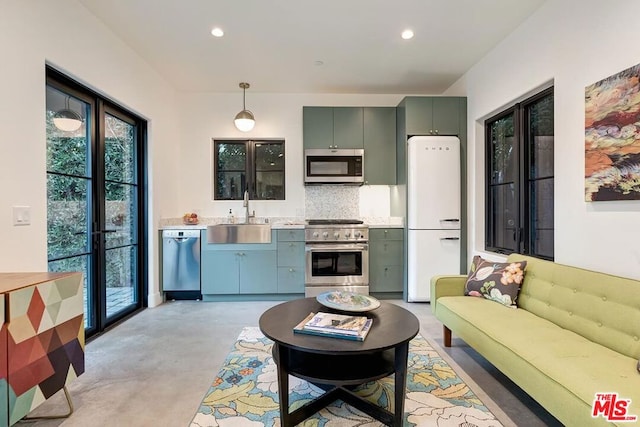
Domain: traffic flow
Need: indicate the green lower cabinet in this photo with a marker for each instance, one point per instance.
(236, 268)
(387, 252)
(291, 261)
(254, 269)
(290, 280)
(386, 260)
(220, 272)
(228, 272)
(385, 278)
(258, 273)
(290, 254)
(290, 235)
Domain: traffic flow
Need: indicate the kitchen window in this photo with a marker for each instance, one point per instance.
(256, 166)
(520, 178)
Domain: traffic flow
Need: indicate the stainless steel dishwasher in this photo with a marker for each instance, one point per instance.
(181, 264)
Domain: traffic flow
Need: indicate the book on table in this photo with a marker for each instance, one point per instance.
(335, 325)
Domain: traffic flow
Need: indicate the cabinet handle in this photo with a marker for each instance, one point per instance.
(291, 245)
(449, 238)
(291, 270)
(431, 131)
(436, 131)
(386, 231)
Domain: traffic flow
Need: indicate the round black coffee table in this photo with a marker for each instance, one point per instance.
(338, 365)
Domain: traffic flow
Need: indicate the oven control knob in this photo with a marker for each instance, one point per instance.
(315, 234)
(356, 234)
(325, 234)
(336, 235)
(347, 234)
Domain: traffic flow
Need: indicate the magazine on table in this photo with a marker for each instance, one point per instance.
(338, 323)
(335, 325)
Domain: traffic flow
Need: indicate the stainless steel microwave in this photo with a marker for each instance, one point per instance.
(334, 166)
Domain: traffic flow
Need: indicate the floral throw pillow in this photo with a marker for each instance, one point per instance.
(497, 281)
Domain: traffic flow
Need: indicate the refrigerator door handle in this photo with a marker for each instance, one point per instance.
(449, 238)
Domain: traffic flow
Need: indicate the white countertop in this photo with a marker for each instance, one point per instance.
(276, 223)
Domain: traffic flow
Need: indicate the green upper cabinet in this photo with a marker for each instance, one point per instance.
(348, 131)
(434, 115)
(332, 127)
(371, 128)
(317, 127)
(379, 145)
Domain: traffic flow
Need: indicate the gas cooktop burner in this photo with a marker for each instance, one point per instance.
(333, 221)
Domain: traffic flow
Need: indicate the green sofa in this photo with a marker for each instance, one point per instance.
(575, 333)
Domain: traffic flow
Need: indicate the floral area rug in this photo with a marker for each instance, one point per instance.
(245, 392)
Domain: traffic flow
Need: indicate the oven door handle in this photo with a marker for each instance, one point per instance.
(338, 247)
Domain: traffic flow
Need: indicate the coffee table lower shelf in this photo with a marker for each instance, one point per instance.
(338, 375)
(343, 370)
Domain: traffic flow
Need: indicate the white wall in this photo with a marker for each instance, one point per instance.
(207, 116)
(64, 34)
(573, 43)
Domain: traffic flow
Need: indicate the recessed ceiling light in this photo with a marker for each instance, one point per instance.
(407, 34)
(217, 32)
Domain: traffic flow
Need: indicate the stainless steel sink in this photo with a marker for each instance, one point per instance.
(239, 233)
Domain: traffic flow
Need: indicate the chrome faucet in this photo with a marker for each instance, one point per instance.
(245, 204)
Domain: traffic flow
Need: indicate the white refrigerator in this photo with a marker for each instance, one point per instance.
(433, 211)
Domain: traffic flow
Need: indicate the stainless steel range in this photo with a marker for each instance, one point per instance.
(337, 256)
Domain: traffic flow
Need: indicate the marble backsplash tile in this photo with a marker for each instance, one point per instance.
(332, 201)
(347, 202)
(370, 203)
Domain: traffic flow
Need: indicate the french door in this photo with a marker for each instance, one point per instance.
(95, 199)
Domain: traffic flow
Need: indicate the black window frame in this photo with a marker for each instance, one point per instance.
(250, 168)
(525, 229)
(100, 320)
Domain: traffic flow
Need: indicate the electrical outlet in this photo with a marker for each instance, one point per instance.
(21, 215)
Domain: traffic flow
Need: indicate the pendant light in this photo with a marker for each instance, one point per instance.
(66, 119)
(244, 119)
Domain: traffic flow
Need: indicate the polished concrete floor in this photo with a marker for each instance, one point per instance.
(154, 368)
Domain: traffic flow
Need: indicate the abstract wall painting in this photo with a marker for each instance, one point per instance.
(612, 137)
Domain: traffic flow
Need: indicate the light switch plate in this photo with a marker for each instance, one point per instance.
(21, 215)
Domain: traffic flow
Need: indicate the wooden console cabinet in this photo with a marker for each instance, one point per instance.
(41, 339)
